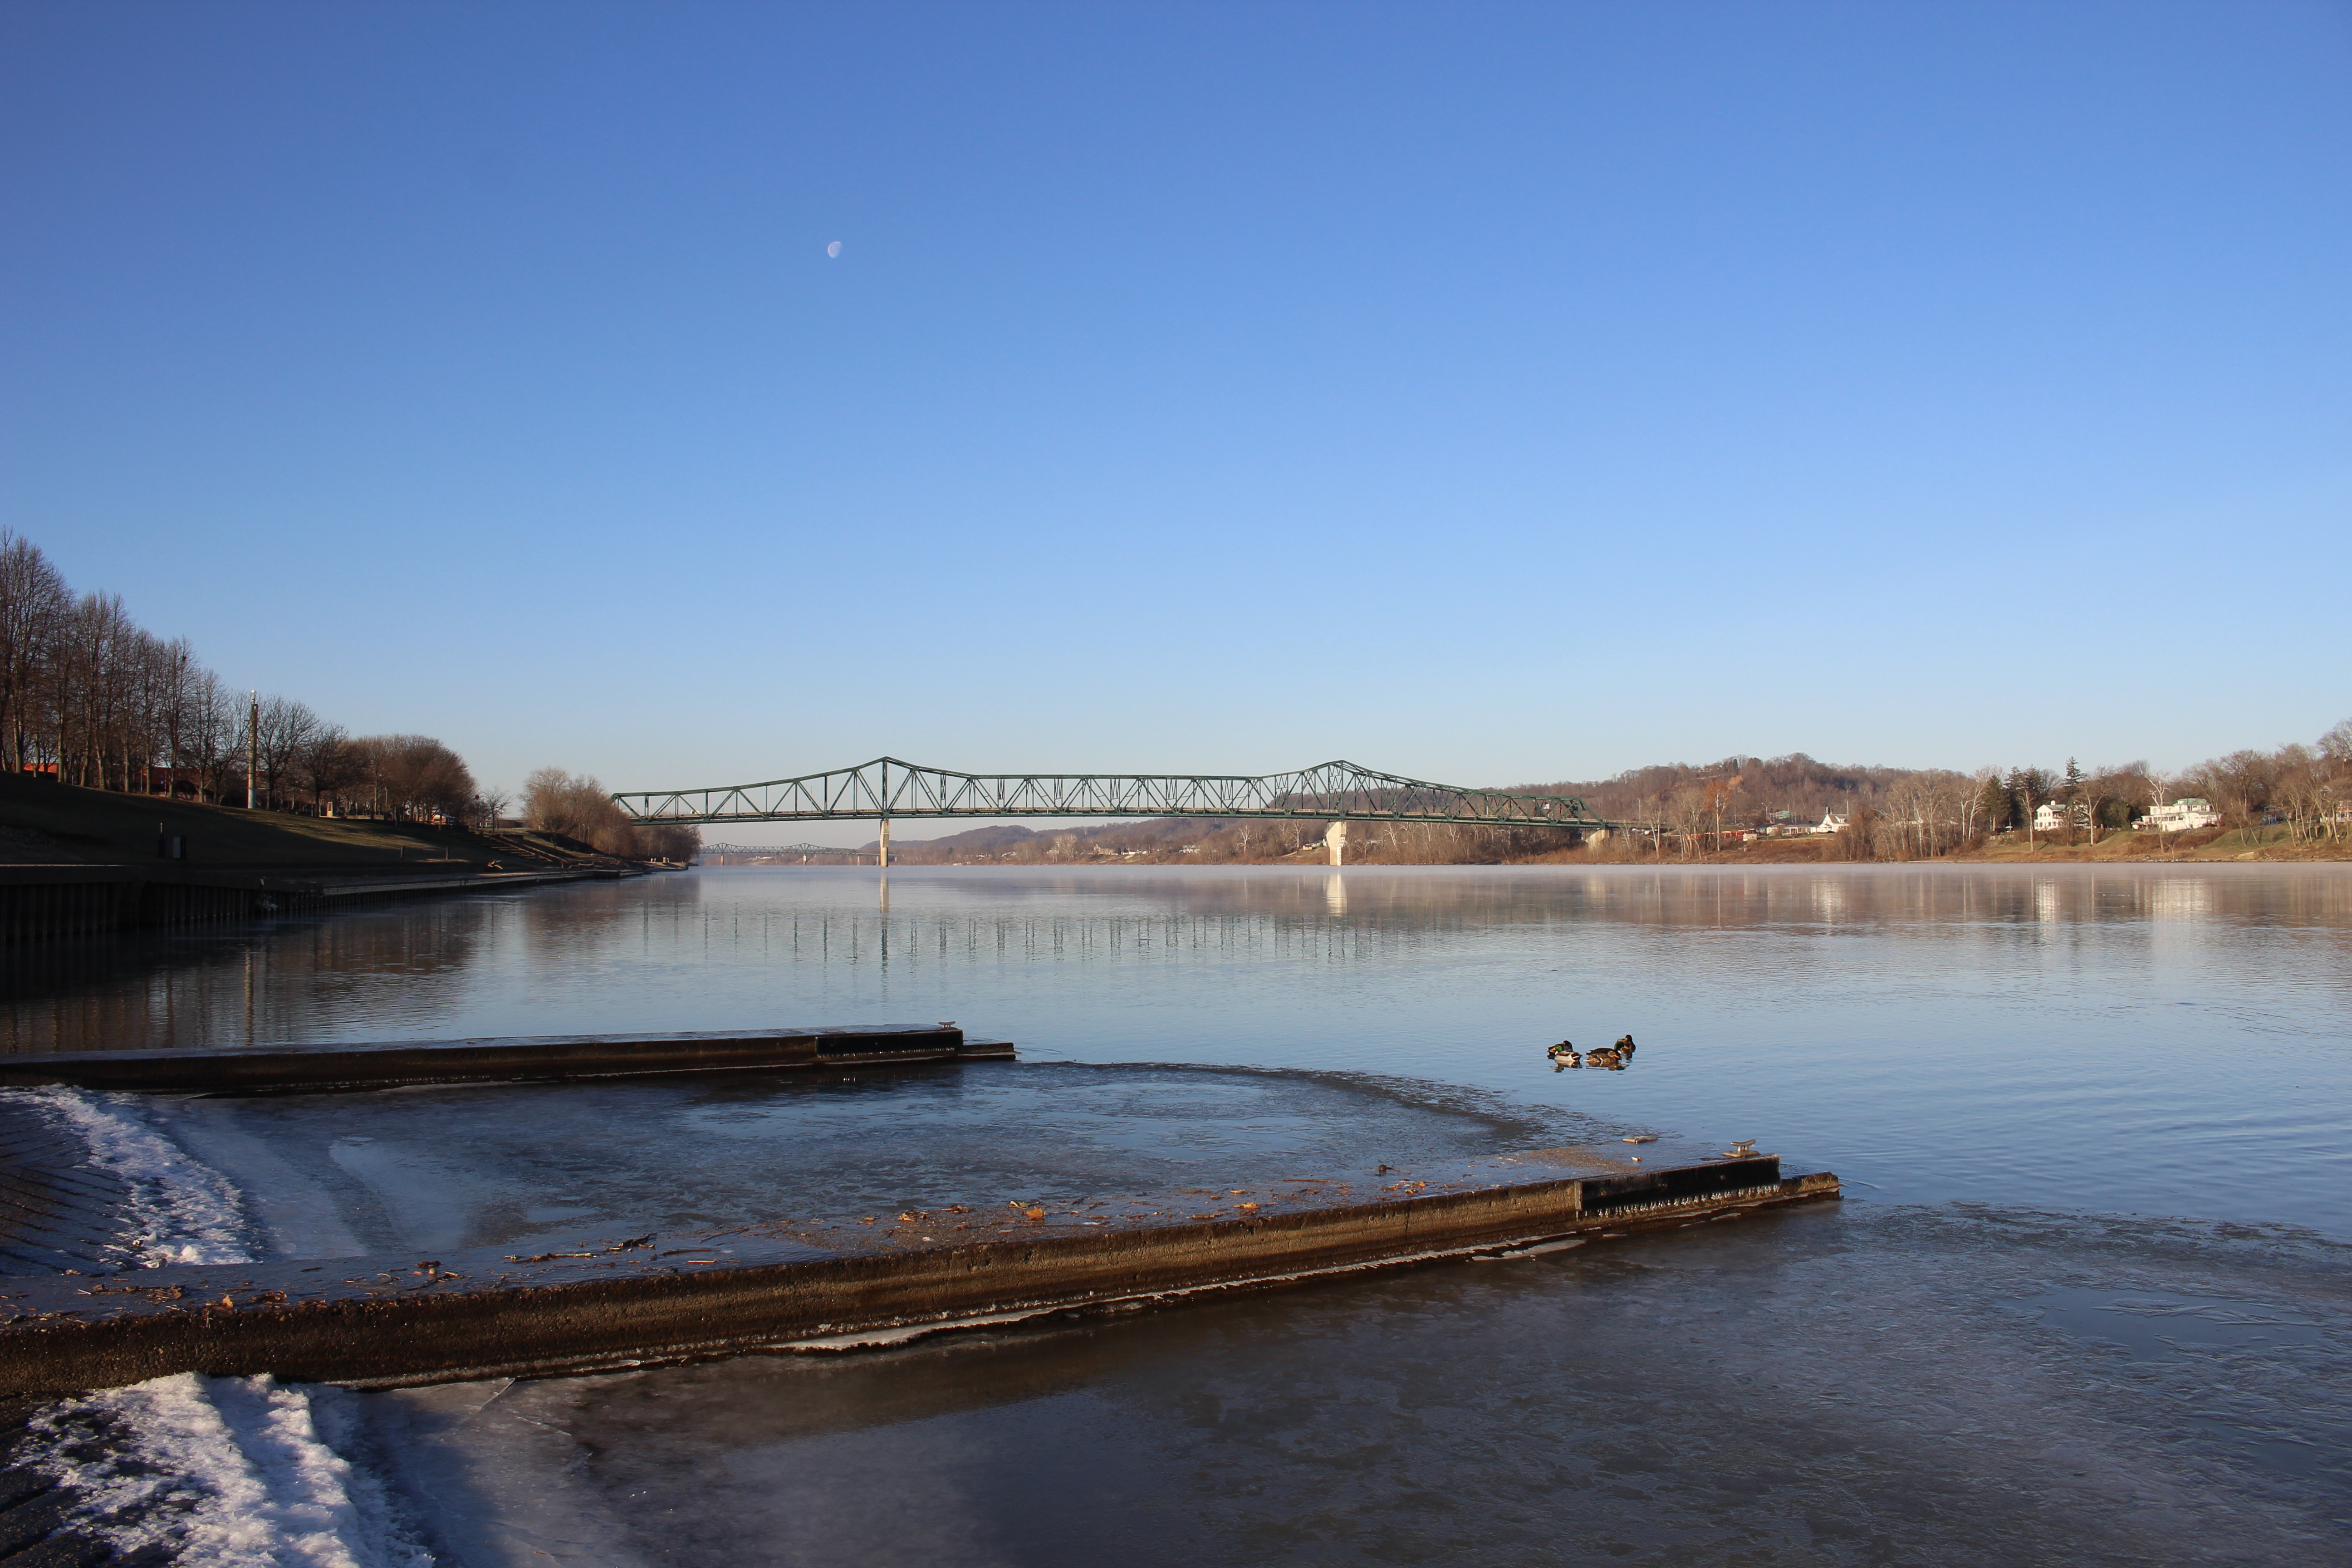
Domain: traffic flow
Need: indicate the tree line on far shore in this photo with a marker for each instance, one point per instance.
(1921, 812)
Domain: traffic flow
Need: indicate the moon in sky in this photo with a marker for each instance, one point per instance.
(833, 249)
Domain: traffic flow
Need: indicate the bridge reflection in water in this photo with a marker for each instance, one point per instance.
(1337, 793)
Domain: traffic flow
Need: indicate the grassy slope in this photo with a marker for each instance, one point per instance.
(94, 826)
(2246, 844)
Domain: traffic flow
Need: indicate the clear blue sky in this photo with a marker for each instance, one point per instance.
(1492, 394)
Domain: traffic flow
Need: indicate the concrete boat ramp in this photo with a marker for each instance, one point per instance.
(612, 1296)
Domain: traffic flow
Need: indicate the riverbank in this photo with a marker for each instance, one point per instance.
(75, 861)
(49, 824)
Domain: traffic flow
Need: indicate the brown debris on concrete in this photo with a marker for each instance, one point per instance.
(634, 1301)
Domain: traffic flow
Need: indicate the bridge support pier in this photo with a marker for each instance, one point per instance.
(1335, 839)
(886, 844)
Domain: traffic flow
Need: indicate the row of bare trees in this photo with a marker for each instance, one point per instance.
(90, 698)
(2306, 789)
(578, 807)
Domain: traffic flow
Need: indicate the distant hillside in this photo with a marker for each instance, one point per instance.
(1001, 836)
(1795, 783)
(1152, 835)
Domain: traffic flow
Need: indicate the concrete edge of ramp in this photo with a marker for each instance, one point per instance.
(638, 1301)
(312, 1068)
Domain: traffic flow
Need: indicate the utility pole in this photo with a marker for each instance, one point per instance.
(179, 690)
(252, 747)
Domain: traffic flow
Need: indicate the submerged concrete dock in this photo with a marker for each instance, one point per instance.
(730, 1272)
(309, 1068)
(634, 1301)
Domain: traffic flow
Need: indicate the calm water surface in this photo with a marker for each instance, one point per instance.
(2162, 1040)
(2088, 1300)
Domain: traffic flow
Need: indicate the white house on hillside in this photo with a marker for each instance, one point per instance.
(1830, 823)
(2190, 811)
(2049, 816)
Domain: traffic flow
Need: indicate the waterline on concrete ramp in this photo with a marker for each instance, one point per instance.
(177, 1208)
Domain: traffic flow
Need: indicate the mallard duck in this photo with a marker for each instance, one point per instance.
(1565, 1054)
(1604, 1057)
(1624, 1047)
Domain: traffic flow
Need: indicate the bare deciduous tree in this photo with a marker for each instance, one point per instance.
(327, 763)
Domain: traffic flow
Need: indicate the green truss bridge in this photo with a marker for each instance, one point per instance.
(887, 789)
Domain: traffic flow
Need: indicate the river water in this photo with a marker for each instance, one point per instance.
(2086, 1298)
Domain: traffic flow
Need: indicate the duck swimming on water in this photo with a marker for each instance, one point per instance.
(1564, 1055)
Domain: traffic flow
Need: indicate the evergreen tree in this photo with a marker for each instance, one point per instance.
(2029, 788)
(1995, 809)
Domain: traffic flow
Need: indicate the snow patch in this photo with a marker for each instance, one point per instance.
(226, 1473)
(180, 1210)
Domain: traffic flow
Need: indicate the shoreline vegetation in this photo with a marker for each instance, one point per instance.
(91, 704)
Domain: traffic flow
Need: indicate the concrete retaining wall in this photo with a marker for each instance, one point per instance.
(41, 903)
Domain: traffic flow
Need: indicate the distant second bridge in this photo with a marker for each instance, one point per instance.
(781, 852)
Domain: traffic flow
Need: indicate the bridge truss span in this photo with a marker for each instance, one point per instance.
(887, 789)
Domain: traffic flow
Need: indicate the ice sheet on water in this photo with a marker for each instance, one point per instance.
(179, 1210)
(540, 1166)
(226, 1473)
